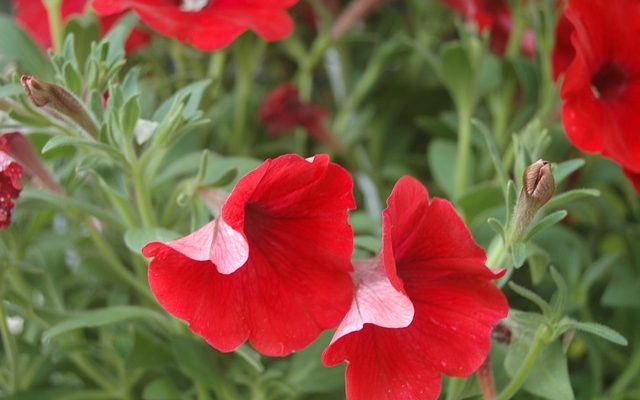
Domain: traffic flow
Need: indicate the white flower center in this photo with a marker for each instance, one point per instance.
(193, 5)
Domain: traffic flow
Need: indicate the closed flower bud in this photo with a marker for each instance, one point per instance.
(59, 100)
(538, 183)
(538, 187)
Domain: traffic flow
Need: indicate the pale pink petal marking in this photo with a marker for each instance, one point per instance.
(216, 242)
(196, 245)
(230, 249)
(376, 301)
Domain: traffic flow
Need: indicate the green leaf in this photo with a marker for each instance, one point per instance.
(161, 389)
(496, 158)
(17, 47)
(622, 293)
(194, 92)
(85, 31)
(561, 294)
(99, 317)
(518, 254)
(61, 141)
(71, 205)
(571, 195)
(442, 157)
(306, 374)
(136, 239)
(480, 199)
(197, 360)
(545, 223)
(456, 72)
(252, 357)
(600, 330)
(538, 261)
(533, 297)
(60, 394)
(597, 270)
(549, 376)
(11, 89)
(148, 352)
(367, 242)
(562, 170)
(497, 226)
(510, 201)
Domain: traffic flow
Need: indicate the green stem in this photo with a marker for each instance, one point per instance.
(142, 198)
(454, 388)
(116, 265)
(630, 373)
(55, 22)
(246, 54)
(91, 372)
(9, 345)
(215, 71)
(540, 339)
(463, 152)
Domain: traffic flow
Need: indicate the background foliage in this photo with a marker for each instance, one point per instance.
(401, 89)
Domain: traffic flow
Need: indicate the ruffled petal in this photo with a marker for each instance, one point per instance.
(217, 242)
(384, 364)
(194, 291)
(376, 301)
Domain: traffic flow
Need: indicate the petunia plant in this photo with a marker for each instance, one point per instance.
(313, 199)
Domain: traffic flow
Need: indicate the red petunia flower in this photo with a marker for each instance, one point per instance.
(282, 111)
(601, 88)
(273, 268)
(18, 147)
(425, 306)
(634, 177)
(10, 187)
(208, 24)
(563, 52)
(494, 15)
(32, 16)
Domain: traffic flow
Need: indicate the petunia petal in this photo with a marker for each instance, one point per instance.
(376, 301)
(383, 365)
(196, 292)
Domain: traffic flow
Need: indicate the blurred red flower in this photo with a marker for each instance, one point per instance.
(32, 16)
(601, 88)
(283, 110)
(563, 52)
(10, 187)
(425, 306)
(494, 15)
(273, 268)
(634, 177)
(208, 25)
(18, 147)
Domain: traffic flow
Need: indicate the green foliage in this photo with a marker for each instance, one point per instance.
(406, 94)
